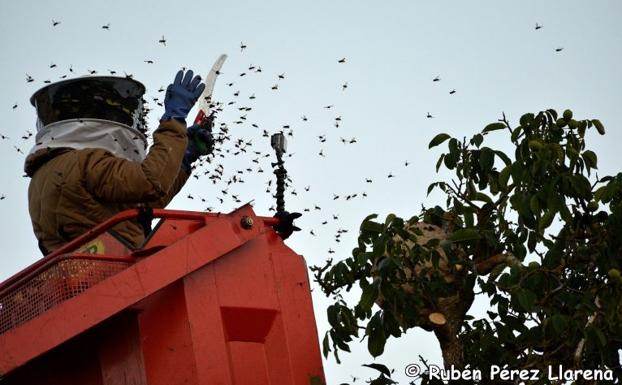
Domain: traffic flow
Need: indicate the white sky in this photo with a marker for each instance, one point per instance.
(488, 51)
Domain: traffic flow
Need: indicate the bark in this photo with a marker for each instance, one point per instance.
(454, 309)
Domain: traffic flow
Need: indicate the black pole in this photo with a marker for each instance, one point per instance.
(280, 146)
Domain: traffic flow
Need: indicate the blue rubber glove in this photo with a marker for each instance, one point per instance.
(181, 96)
(200, 142)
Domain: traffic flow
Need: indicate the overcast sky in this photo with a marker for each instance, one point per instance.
(489, 52)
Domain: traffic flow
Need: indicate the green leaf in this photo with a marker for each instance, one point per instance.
(332, 315)
(532, 241)
(597, 335)
(450, 161)
(526, 119)
(600, 194)
(377, 338)
(342, 345)
(582, 127)
(504, 176)
(521, 205)
(477, 140)
(599, 126)
(526, 299)
(503, 157)
(516, 133)
(559, 323)
(325, 345)
(464, 235)
(380, 244)
(381, 368)
(370, 216)
(390, 218)
(590, 158)
(565, 213)
(517, 171)
(439, 162)
(534, 204)
(432, 186)
(468, 218)
(486, 159)
(546, 220)
(438, 139)
(494, 127)
(369, 296)
(453, 147)
(372, 227)
(581, 186)
(480, 196)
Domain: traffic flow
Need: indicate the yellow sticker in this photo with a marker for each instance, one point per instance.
(96, 246)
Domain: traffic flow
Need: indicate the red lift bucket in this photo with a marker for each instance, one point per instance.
(209, 299)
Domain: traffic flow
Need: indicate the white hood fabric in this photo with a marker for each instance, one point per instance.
(121, 140)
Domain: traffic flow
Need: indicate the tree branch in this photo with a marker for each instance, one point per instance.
(505, 121)
(578, 353)
(487, 265)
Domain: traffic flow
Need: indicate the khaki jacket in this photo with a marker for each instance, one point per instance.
(73, 190)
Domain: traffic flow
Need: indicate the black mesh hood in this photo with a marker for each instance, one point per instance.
(98, 97)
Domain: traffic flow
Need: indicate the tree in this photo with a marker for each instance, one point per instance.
(542, 204)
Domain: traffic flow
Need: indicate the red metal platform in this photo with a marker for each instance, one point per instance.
(212, 299)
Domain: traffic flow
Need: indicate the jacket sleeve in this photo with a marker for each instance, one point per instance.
(113, 179)
(180, 181)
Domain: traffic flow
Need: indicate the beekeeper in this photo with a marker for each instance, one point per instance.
(90, 160)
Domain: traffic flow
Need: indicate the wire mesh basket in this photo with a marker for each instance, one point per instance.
(63, 280)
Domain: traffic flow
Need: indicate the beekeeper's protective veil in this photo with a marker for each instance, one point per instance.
(92, 112)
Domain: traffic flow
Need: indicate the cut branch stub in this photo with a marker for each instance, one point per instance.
(437, 319)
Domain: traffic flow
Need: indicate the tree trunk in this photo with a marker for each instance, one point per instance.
(454, 308)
